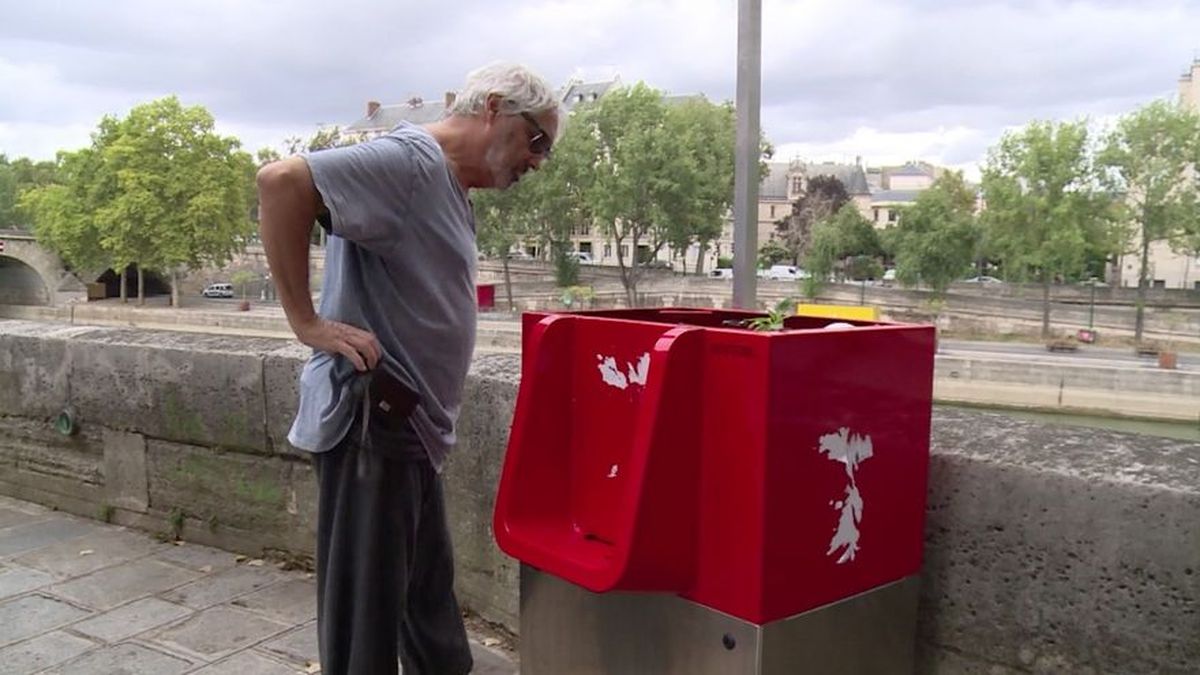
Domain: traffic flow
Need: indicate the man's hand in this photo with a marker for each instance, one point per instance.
(356, 344)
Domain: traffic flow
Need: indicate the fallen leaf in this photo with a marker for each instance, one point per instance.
(310, 667)
(490, 642)
(240, 559)
(206, 569)
(86, 551)
(257, 562)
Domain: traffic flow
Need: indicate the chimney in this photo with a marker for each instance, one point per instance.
(449, 100)
(372, 108)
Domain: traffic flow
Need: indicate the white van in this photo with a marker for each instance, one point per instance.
(786, 273)
(219, 291)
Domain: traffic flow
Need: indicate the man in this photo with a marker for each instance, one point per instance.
(391, 346)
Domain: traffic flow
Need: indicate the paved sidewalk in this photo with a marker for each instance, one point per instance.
(78, 597)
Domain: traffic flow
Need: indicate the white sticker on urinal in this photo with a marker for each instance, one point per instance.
(849, 449)
(612, 375)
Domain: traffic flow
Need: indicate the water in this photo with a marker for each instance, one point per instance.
(1187, 431)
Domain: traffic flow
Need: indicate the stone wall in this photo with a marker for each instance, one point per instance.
(1048, 549)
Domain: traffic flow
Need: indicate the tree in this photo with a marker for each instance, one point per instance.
(18, 176)
(1044, 208)
(772, 253)
(823, 196)
(836, 240)
(705, 135)
(1151, 159)
(159, 188)
(936, 238)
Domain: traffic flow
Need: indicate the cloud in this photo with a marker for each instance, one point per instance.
(932, 79)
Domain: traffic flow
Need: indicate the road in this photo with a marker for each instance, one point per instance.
(1086, 354)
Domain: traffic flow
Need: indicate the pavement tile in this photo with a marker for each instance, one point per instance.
(249, 663)
(32, 614)
(293, 601)
(118, 585)
(17, 579)
(41, 652)
(490, 662)
(223, 586)
(129, 620)
(34, 535)
(198, 558)
(124, 659)
(10, 517)
(298, 646)
(217, 632)
(90, 552)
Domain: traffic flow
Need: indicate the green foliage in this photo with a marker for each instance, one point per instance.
(823, 196)
(775, 317)
(836, 239)
(771, 253)
(1150, 158)
(241, 278)
(18, 176)
(159, 188)
(724, 263)
(936, 238)
(566, 268)
(1045, 210)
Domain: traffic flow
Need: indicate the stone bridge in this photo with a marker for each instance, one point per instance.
(31, 274)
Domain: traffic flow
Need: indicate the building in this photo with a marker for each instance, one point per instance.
(895, 187)
(1168, 269)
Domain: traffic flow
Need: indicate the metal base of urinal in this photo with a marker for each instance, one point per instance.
(568, 630)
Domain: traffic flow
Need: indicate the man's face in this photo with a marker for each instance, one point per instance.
(519, 143)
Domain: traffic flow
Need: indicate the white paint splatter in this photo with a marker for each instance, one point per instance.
(850, 450)
(609, 372)
(639, 375)
(612, 473)
(613, 376)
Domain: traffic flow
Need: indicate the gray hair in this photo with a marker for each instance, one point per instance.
(520, 89)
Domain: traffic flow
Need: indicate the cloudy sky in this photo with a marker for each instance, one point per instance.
(888, 80)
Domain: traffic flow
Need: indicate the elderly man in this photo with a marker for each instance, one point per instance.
(391, 346)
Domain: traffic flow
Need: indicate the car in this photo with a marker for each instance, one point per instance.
(219, 290)
(982, 280)
(657, 264)
(786, 273)
(889, 275)
(721, 273)
(582, 257)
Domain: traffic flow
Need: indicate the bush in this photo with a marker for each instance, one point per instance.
(724, 263)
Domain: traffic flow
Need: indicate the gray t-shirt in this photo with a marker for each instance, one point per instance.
(400, 263)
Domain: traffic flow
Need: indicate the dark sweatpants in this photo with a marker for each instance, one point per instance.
(385, 570)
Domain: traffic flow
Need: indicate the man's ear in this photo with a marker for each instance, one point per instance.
(492, 107)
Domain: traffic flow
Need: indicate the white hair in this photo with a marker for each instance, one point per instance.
(519, 88)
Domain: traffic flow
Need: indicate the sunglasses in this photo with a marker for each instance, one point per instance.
(541, 142)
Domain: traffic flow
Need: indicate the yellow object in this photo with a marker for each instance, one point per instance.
(852, 312)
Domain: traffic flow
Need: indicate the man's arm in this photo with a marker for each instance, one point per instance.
(288, 206)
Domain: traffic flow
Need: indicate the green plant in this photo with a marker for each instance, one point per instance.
(773, 321)
(105, 513)
(576, 294)
(175, 523)
(724, 263)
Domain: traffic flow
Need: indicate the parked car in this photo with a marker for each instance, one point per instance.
(219, 290)
(786, 273)
(721, 273)
(657, 264)
(982, 280)
(582, 257)
(889, 276)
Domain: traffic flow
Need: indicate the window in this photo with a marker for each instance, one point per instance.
(608, 250)
(625, 251)
(772, 210)
(585, 247)
(1159, 283)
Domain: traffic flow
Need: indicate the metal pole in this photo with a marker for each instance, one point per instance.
(1092, 306)
(745, 181)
